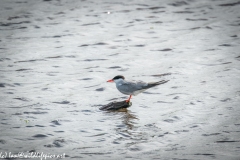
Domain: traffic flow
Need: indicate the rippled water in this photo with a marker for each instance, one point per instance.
(55, 58)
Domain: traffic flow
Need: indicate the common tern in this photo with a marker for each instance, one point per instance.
(133, 87)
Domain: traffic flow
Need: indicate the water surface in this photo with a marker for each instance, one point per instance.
(55, 58)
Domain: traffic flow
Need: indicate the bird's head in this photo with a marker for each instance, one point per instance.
(116, 79)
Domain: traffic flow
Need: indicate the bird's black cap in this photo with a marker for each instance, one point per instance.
(118, 77)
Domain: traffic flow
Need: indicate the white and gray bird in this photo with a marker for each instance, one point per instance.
(133, 87)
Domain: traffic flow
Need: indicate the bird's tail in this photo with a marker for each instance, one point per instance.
(152, 84)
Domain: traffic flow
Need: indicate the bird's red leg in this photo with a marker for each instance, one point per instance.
(129, 98)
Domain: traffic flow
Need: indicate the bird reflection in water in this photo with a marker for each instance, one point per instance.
(126, 116)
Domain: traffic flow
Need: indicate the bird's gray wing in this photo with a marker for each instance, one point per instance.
(136, 87)
(133, 86)
(139, 85)
(152, 84)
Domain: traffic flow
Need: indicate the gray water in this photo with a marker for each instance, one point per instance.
(56, 56)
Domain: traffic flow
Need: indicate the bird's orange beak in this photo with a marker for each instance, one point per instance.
(110, 80)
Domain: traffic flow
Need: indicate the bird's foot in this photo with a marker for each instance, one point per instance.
(128, 100)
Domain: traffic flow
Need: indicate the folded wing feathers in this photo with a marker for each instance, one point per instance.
(152, 84)
(138, 86)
